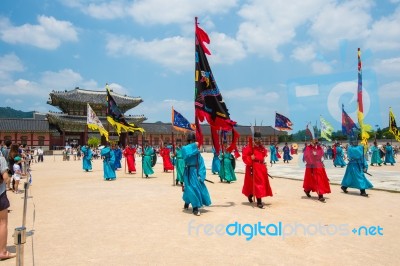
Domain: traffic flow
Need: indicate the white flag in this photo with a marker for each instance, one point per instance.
(94, 122)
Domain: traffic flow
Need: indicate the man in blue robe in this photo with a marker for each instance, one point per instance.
(108, 163)
(87, 158)
(354, 177)
(147, 159)
(118, 156)
(195, 191)
(216, 163)
(389, 155)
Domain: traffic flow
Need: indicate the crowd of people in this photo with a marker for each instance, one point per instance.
(15, 162)
(187, 163)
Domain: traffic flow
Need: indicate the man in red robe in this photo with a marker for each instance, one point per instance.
(315, 178)
(256, 181)
(334, 151)
(129, 153)
(165, 153)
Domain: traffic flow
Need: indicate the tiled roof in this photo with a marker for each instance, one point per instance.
(64, 121)
(77, 96)
(23, 125)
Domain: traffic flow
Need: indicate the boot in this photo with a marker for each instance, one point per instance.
(321, 198)
(344, 189)
(307, 193)
(250, 198)
(362, 193)
(260, 204)
(186, 206)
(196, 211)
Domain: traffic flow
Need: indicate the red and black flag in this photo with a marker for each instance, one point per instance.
(209, 104)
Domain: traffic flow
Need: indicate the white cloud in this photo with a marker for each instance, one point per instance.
(270, 24)
(176, 11)
(111, 10)
(385, 33)
(22, 88)
(225, 49)
(304, 53)
(307, 90)
(48, 34)
(9, 63)
(151, 11)
(390, 91)
(65, 79)
(348, 20)
(118, 89)
(321, 68)
(175, 52)
(388, 67)
(251, 95)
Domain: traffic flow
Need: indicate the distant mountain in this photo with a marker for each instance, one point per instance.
(7, 112)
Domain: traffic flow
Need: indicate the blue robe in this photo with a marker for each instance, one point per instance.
(389, 155)
(195, 191)
(339, 157)
(147, 161)
(227, 172)
(354, 176)
(118, 157)
(108, 163)
(179, 165)
(286, 154)
(216, 163)
(87, 158)
(376, 156)
(272, 150)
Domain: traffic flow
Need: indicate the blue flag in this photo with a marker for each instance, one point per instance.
(347, 124)
(181, 123)
(282, 122)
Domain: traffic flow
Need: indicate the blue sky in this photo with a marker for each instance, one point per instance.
(297, 58)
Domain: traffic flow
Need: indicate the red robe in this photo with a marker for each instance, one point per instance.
(334, 152)
(315, 178)
(165, 154)
(262, 187)
(129, 154)
(277, 152)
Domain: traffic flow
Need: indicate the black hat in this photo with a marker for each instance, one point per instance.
(257, 134)
(353, 140)
(191, 137)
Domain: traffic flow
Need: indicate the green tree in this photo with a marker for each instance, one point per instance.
(93, 142)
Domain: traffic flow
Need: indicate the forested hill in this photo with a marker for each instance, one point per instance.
(7, 112)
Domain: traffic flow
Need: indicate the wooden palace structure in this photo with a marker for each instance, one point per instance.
(55, 130)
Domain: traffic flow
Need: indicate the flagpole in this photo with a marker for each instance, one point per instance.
(142, 152)
(173, 152)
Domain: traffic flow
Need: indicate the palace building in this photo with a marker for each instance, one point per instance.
(55, 130)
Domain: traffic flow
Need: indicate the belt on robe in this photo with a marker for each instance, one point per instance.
(259, 161)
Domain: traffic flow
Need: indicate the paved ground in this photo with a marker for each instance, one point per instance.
(76, 218)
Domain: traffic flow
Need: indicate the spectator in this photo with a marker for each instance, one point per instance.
(4, 204)
(40, 154)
